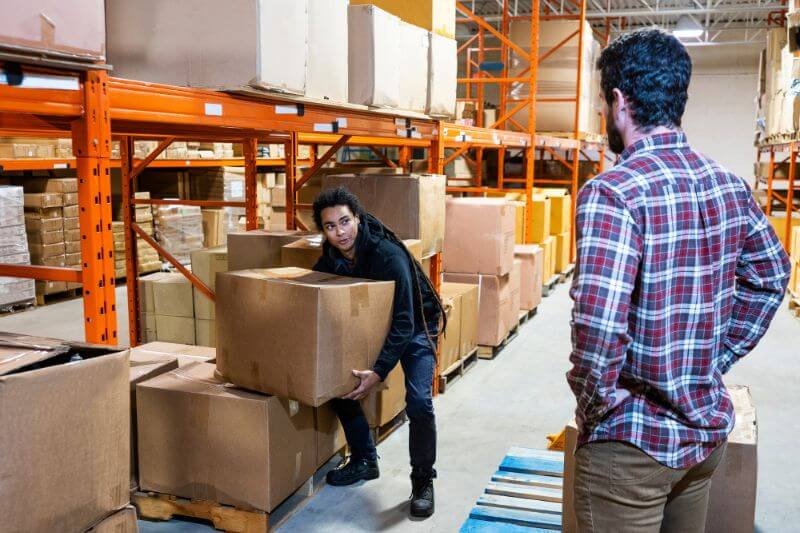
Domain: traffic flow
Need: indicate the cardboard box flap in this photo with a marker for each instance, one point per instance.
(20, 351)
(198, 378)
(170, 348)
(146, 365)
(299, 276)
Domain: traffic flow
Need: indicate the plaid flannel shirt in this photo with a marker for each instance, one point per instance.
(678, 275)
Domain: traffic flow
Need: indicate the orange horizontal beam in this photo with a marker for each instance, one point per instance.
(41, 272)
(200, 203)
(361, 140)
(46, 102)
(54, 164)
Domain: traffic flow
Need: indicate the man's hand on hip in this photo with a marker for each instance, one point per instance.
(368, 381)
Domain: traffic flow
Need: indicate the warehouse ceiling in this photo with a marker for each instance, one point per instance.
(722, 21)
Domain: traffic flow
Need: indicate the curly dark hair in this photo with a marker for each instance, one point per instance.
(334, 197)
(652, 69)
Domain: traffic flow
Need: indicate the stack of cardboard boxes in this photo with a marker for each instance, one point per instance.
(54, 238)
(24, 148)
(460, 339)
(14, 246)
(147, 256)
(560, 226)
(794, 251)
(179, 229)
(479, 250)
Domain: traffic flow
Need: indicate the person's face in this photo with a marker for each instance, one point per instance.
(340, 227)
(615, 142)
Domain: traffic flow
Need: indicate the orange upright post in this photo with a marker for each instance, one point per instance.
(91, 144)
(291, 180)
(530, 151)
(131, 247)
(789, 195)
(576, 161)
(250, 151)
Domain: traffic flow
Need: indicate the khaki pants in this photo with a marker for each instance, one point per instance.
(619, 488)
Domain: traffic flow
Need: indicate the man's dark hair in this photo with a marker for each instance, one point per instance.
(334, 197)
(652, 69)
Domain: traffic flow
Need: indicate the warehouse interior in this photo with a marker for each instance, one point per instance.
(156, 292)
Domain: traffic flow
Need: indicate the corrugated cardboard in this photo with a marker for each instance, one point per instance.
(514, 300)
(413, 206)
(302, 253)
(64, 425)
(259, 248)
(326, 69)
(560, 214)
(185, 353)
(72, 247)
(72, 235)
(177, 329)
(201, 439)
(450, 342)
(479, 236)
(205, 332)
(519, 221)
(123, 521)
(732, 500)
(205, 265)
(260, 43)
(172, 296)
(263, 312)
(374, 53)
(40, 252)
(540, 225)
(414, 65)
(143, 366)
(531, 273)
(442, 75)
(43, 200)
(549, 257)
(329, 433)
(213, 228)
(75, 28)
(39, 221)
(563, 243)
(146, 297)
(50, 287)
(46, 237)
(70, 198)
(69, 211)
(383, 405)
(468, 326)
(39, 185)
(494, 295)
(71, 222)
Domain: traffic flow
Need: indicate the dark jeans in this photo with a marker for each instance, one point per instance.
(418, 363)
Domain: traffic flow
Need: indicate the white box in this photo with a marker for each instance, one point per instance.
(374, 56)
(414, 80)
(206, 43)
(326, 70)
(442, 76)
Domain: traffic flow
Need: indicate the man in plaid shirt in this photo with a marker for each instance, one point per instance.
(679, 274)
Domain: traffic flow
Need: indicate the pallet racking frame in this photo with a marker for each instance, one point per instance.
(773, 196)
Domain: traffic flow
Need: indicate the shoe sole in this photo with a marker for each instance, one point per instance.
(419, 514)
(370, 476)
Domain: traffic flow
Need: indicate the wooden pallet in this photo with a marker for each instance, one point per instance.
(457, 370)
(525, 495)
(490, 352)
(564, 276)
(585, 136)
(56, 297)
(549, 286)
(524, 316)
(794, 304)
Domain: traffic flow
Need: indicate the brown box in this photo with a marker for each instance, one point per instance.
(213, 228)
(549, 257)
(280, 331)
(143, 366)
(262, 448)
(177, 329)
(479, 236)
(73, 259)
(71, 223)
(205, 265)
(383, 405)
(531, 274)
(468, 326)
(329, 434)
(70, 198)
(34, 222)
(172, 296)
(43, 200)
(55, 261)
(46, 237)
(72, 235)
(52, 185)
(302, 253)
(450, 342)
(185, 353)
(563, 244)
(70, 211)
(732, 500)
(205, 332)
(259, 248)
(514, 301)
(40, 252)
(560, 210)
(72, 247)
(540, 225)
(64, 425)
(278, 196)
(494, 300)
(412, 205)
(123, 521)
(50, 287)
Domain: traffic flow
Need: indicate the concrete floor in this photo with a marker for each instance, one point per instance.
(515, 399)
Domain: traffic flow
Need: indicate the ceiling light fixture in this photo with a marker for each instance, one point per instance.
(687, 27)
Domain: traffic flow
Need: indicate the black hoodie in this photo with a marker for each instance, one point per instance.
(378, 257)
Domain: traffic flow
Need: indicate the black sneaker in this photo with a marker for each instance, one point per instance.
(353, 471)
(422, 497)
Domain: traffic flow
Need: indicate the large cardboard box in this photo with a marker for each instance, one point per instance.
(297, 333)
(442, 76)
(560, 210)
(450, 341)
(329, 434)
(123, 521)
(176, 329)
(414, 65)
(66, 434)
(213, 228)
(434, 15)
(204, 43)
(413, 205)
(262, 448)
(531, 274)
(563, 244)
(75, 28)
(540, 224)
(374, 53)
(326, 67)
(205, 332)
(383, 405)
(43, 200)
(479, 236)
(172, 296)
(519, 221)
(468, 324)
(259, 248)
(302, 253)
(549, 257)
(53, 185)
(514, 289)
(205, 265)
(494, 295)
(38, 221)
(732, 500)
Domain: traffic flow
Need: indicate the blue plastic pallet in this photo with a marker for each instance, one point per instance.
(524, 495)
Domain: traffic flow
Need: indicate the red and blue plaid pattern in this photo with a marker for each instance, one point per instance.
(678, 275)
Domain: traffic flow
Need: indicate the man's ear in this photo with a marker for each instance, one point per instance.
(620, 103)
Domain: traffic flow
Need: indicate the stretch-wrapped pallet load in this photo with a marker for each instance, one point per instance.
(179, 229)
(13, 247)
(221, 184)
